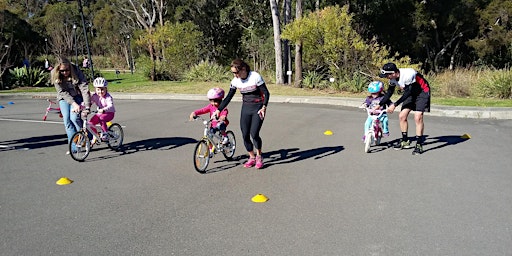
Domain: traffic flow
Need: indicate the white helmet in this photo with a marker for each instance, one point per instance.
(100, 82)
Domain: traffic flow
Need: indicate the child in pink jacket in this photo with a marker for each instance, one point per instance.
(215, 95)
(106, 108)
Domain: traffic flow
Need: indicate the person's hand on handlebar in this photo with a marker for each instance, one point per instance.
(216, 114)
(85, 112)
(192, 116)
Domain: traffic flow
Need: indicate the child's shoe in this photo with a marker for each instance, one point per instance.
(250, 163)
(225, 140)
(386, 134)
(259, 162)
(364, 138)
(104, 137)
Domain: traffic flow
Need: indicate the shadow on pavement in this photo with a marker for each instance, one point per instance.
(156, 143)
(34, 142)
(284, 156)
(442, 141)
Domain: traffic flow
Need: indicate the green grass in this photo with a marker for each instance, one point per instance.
(136, 83)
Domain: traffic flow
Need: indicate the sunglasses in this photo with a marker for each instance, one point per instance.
(385, 72)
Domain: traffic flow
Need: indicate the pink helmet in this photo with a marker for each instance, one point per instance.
(215, 94)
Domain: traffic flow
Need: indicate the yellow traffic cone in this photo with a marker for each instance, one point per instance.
(259, 198)
(466, 136)
(328, 132)
(64, 181)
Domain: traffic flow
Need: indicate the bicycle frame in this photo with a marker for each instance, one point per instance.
(211, 144)
(86, 127)
(374, 133)
(51, 109)
(213, 139)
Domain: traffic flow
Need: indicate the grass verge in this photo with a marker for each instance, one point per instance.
(136, 83)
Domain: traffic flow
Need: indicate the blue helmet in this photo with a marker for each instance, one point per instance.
(375, 87)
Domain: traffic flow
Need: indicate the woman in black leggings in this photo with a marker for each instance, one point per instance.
(254, 104)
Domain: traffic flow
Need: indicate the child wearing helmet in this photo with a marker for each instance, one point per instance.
(215, 95)
(106, 108)
(374, 101)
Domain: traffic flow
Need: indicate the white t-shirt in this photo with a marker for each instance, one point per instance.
(248, 84)
(407, 77)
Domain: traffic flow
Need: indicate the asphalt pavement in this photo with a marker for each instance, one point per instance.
(326, 195)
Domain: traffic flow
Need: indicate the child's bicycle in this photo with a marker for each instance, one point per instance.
(374, 134)
(51, 109)
(211, 144)
(80, 144)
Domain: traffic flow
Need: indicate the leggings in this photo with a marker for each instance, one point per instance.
(102, 119)
(250, 124)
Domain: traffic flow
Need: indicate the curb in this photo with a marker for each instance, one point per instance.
(436, 110)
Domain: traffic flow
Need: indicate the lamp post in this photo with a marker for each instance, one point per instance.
(76, 48)
(46, 43)
(130, 62)
(91, 63)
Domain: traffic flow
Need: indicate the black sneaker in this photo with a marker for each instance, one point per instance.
(418, 149)
(402, 144)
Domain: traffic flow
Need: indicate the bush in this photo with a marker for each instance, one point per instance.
(312, 79)
(31, 77)
(207, 71)
(453, 83)
(496, 84)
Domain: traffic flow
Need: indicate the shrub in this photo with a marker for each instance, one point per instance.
(312, 79)
(31, 77)
(207, 71)
(496, 84)
(453, 83)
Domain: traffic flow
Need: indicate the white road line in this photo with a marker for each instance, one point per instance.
(29, 121)
(37, 121)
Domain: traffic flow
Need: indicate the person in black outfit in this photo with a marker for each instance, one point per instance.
(255, 97)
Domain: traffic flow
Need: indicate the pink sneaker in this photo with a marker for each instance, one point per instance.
(259, 162)
(250, 163)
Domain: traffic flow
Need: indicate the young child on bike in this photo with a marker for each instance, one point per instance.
(373, 101)
(106, 108)
(215, 95)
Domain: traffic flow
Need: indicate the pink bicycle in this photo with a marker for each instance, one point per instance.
(51, 109)
(374, 134)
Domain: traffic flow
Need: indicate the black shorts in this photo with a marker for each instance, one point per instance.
(420, 102)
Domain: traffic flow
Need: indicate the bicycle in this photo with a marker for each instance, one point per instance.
(80, 143)
(51, 109)
(211, 144)
(374, 134)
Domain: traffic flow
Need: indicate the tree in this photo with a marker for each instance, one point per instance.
(298, 47)
(332, 46)
(15, 35)
(494, 43)
(147, 14)
(277, 41)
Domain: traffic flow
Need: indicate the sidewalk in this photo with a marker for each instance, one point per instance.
(436, 110)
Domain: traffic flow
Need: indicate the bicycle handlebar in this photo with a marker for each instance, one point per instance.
(375, 112)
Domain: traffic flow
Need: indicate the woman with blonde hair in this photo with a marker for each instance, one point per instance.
(72, 92)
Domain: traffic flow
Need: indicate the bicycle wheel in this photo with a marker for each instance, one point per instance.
(201, 156)
(229, 149)
(368, 141)
(115, 136)
(79, 146)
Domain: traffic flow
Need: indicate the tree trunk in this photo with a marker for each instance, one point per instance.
(277, 41)
(298, 48)
(287, 52)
